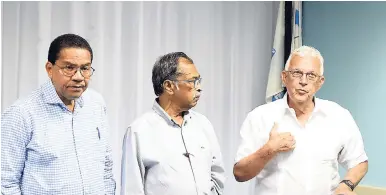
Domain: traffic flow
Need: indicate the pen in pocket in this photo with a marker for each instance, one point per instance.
(99, 133)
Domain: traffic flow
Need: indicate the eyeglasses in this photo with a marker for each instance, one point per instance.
(196, 81)
(70, 70)
(299, 74)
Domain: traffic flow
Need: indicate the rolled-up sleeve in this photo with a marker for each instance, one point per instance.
(132, 169)
(353, 151)
(249, 139)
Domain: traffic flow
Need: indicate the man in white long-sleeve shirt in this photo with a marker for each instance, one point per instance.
(172, 150)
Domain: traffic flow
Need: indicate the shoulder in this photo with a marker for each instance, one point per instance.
(24, 105)
(333, 109)
(143, 122)
(270, 110)
(92, 96)
(205, 124)
(202, 118)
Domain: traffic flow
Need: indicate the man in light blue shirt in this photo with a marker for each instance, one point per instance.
(172, 150)
(55, 141)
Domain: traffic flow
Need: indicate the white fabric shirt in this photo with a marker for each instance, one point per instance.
(153, 161)
(330, 137)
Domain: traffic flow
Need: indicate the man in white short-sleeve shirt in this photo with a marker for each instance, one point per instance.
(293, 146)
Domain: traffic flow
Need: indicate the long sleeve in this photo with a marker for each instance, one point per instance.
(110, 184)
(109, 181)
(132, 169)
(14, 140)
(217, 169)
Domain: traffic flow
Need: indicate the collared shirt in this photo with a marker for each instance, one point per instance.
(47, 149)
(163, 158)
(330, 137)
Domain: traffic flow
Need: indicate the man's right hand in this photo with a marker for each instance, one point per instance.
(280, 142)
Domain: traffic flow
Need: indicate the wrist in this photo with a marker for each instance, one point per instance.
(344, 187)
(271, 147)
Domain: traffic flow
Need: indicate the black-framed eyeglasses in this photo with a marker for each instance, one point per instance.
(196, 81)
(70, 70)
(311, 76)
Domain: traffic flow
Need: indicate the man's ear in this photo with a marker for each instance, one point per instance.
(321, 82)
(283, 77)
(49, 69)
(168, 87)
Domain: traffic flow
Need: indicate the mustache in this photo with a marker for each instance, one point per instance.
(197, 94)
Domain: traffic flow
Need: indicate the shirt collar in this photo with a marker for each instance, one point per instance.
(317, 109)
(161, 112)
(51, 96)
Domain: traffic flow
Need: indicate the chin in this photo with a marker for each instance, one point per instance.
(74, 96)
(193, 104)
(301, 99)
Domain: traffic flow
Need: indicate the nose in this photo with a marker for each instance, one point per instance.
(303, 80)
(77, 76)
(198, 87)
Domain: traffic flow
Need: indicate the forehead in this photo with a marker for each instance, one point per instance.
(188, 69)
(306, 63)
(75, 55)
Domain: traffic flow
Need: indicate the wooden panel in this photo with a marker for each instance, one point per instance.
(369, 190)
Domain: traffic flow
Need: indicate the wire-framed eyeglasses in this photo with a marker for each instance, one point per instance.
(195, 81)
(70, 70)
(311, 76)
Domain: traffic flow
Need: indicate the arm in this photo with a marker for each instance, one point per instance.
(248, 160)
(218, 173)
(14, 139)
(356, 173)
(110, 184)
(248, 167)
(132, 169)
(251, 165)
(353, 156)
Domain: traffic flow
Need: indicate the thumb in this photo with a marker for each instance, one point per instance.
(274, 128)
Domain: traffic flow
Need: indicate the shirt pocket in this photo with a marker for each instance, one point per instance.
(203, 161)
(204, 151)
(97, 144)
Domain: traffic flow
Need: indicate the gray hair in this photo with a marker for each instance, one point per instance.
(165, 68)
(306, 50)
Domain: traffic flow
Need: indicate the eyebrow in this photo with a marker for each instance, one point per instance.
(187, 74)
(72, 64)
(303, 71)
(195, 77)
